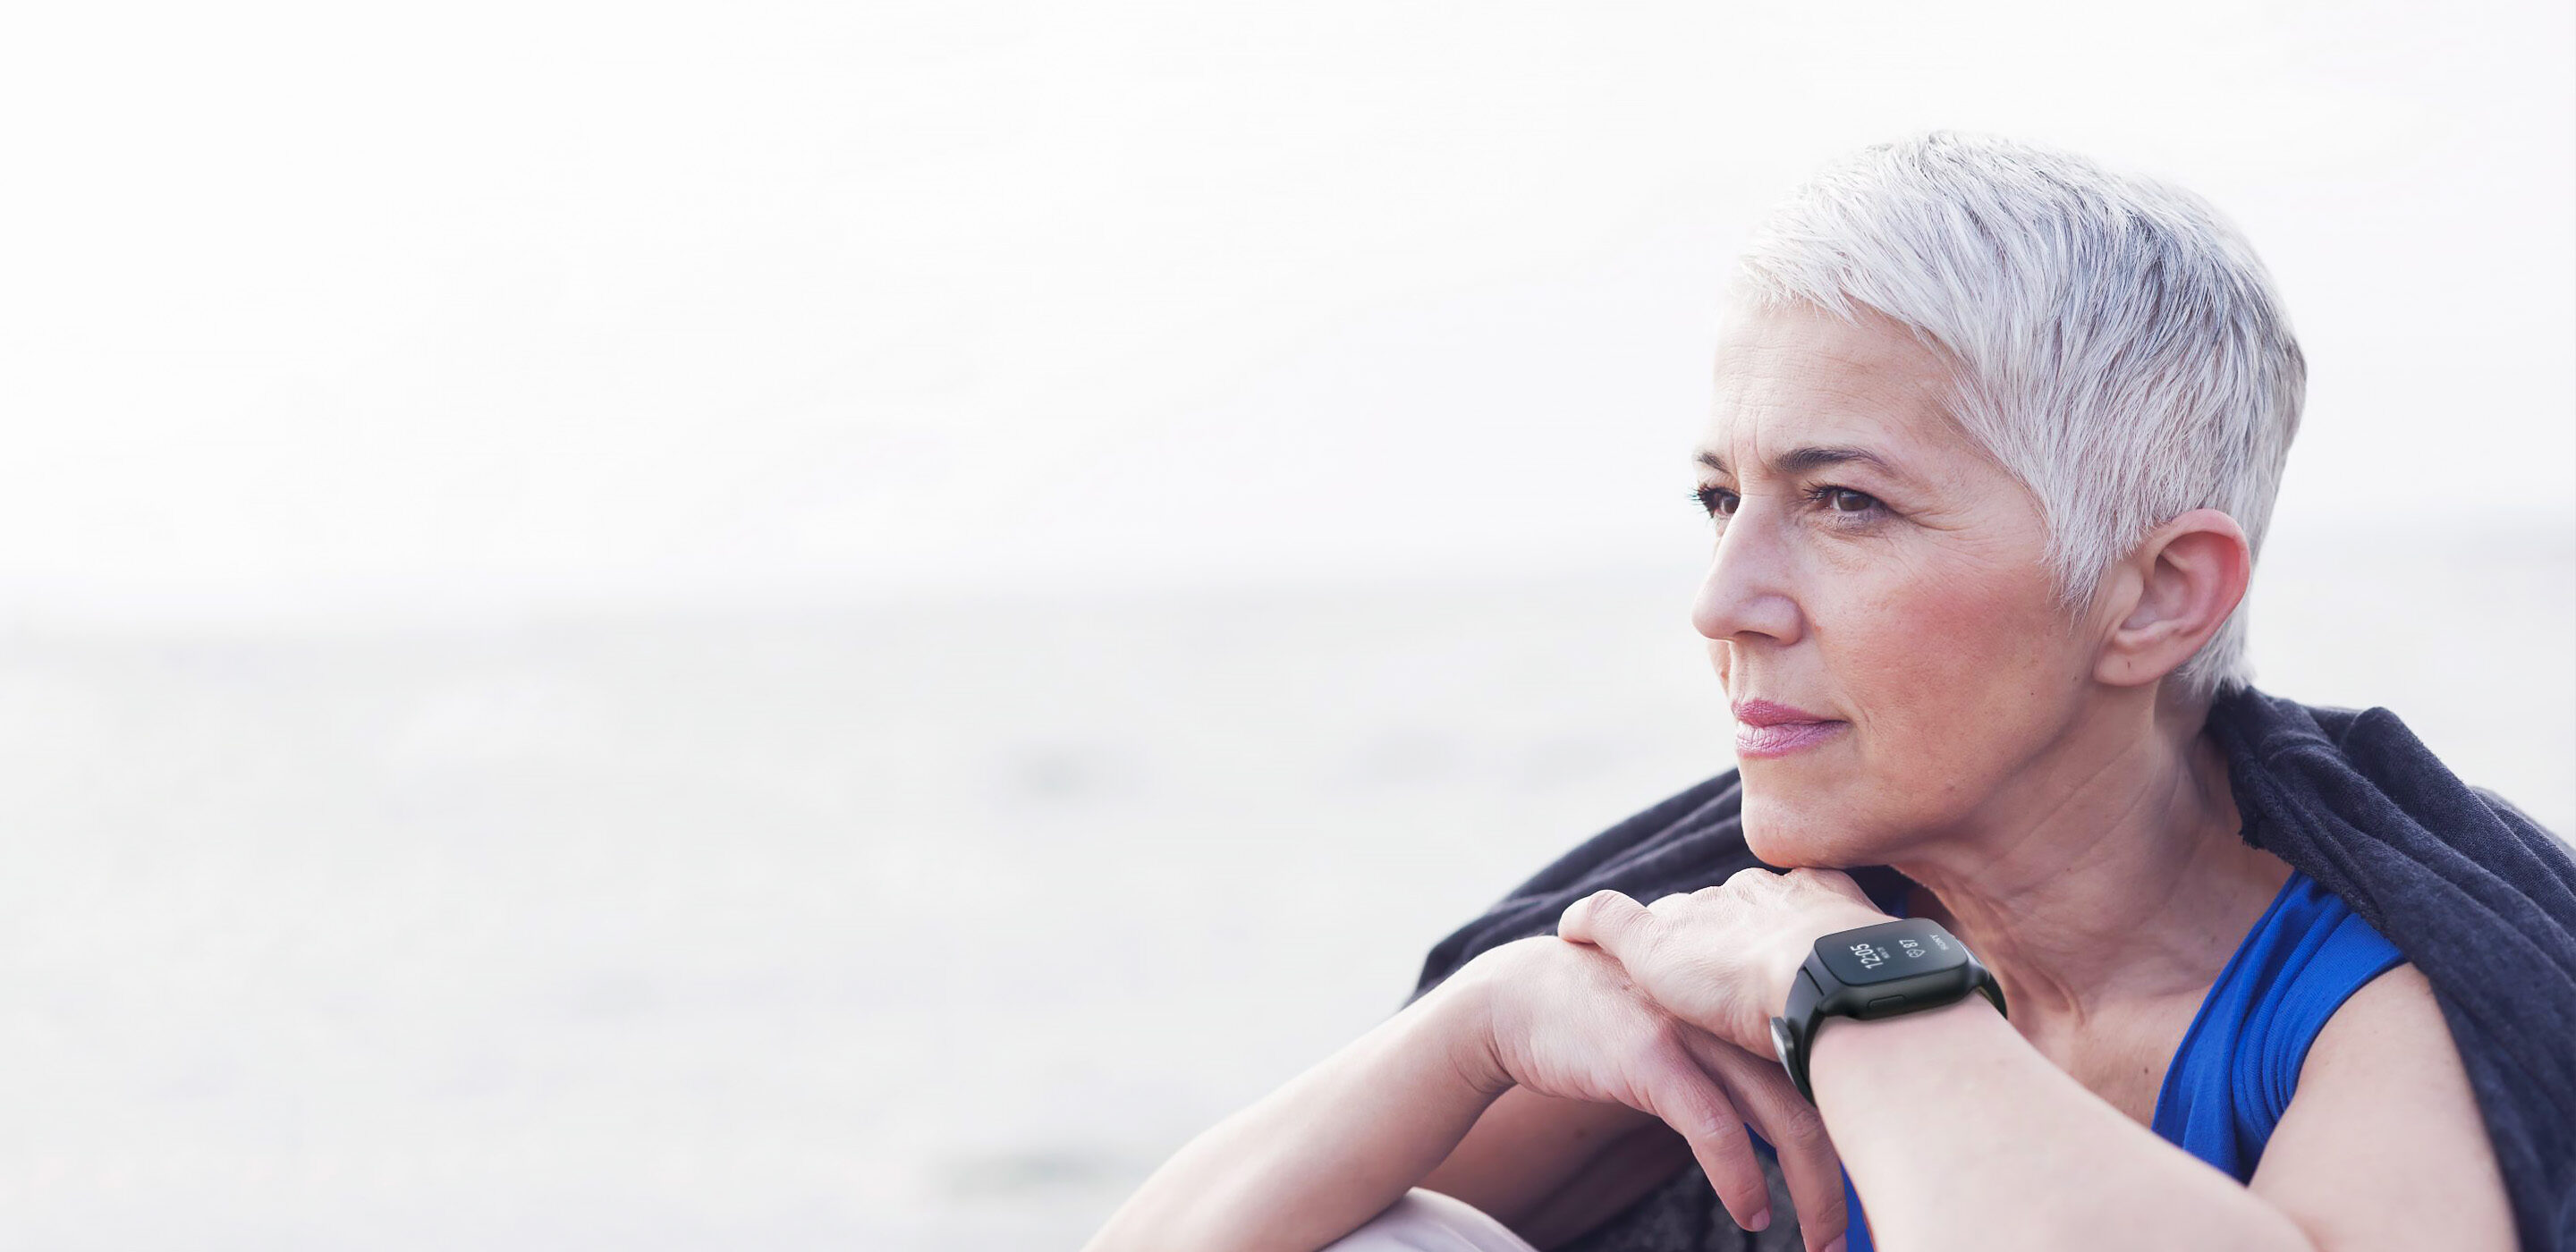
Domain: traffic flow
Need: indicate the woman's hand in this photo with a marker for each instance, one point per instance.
(1565, 1020)
(1723, 958)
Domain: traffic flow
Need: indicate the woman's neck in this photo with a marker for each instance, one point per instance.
(2115, 874)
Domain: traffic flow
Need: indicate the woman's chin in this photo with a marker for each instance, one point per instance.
(1779, 842)
(1791, 836)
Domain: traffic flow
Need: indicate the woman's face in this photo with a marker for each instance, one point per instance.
(1883, 581)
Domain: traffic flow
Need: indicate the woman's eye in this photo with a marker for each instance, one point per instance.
(1718, 501)
(1846, 500)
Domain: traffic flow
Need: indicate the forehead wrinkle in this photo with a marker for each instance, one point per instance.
(1807, 457)
(1851, 386)
(1845, 408)
(1857, 387)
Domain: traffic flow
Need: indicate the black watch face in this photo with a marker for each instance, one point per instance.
(1891, 950)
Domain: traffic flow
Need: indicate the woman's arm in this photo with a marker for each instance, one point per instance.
(1313, 1160)
(1320, 1156)
(2382, 1147)
(1553, 1169)
(1959, 1134)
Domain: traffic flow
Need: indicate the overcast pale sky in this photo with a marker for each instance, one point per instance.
(310, 309)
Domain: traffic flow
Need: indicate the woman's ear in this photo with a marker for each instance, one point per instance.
(2187, 575)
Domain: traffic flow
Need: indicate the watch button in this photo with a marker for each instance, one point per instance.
(1887, 1002)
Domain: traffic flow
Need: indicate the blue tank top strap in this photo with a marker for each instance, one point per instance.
(2231, 1080)
(2238, 1066)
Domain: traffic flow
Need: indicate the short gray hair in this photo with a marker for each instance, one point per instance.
(2121, 350)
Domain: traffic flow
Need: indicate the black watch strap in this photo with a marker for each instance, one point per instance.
(1818, 992)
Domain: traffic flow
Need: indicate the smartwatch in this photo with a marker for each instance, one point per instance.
(1875, 971)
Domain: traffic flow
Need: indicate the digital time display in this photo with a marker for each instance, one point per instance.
(1890, 950)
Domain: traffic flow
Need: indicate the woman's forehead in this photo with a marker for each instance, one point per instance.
(1794, 380)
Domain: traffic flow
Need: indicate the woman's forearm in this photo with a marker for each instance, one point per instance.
(1318, 1157)
(1958, 1134)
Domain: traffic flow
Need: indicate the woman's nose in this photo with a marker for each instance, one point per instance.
(1748, 591)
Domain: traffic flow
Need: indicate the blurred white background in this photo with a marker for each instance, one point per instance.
(822, 626)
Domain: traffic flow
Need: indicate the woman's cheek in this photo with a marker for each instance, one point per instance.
(1942, 678)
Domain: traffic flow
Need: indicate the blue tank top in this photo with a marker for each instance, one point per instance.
(2232, 1078)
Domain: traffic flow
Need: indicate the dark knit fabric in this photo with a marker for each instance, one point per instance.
(2478, 896)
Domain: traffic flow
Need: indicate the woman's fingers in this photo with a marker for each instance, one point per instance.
(1808, 1163)
(1608, 920)
(1574, 1025)
(1675, 1089)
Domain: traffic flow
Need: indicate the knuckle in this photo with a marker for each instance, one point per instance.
(1696, 1113)
(1800, 1124)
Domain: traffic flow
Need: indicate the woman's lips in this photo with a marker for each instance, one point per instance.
(1763, 728)
(1783, 738)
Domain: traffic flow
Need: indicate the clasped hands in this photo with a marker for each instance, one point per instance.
(1665, 1007)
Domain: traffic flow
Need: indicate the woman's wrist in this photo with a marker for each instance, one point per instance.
(1457, 1018)
(1780, 970)
(1874, 1049)
(1797, 942)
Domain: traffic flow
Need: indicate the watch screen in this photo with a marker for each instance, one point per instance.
(1890, 950)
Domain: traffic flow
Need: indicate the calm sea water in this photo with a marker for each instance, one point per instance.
(927, 926)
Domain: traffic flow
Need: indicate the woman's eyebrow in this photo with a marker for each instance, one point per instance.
(1803, 460)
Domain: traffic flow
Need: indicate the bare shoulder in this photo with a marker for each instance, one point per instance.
(2383, 1145)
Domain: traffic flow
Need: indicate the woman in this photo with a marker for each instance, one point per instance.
(1995, 440)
